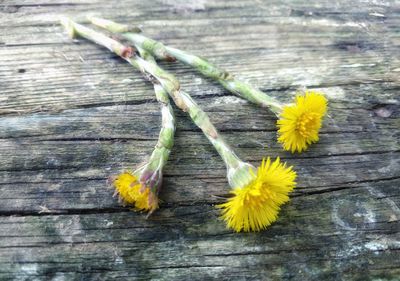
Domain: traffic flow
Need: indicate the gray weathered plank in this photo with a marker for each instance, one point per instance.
(71, 114)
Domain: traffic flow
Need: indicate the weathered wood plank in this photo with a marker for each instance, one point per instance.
(72, 114)
(191, 237)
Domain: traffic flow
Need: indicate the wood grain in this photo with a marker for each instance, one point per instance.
(71, 114)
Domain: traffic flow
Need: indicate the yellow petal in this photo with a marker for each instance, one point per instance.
(299, 124)
(256, 206)
(132, 192)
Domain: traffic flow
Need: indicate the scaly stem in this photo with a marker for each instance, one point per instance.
(237, 169)
(208, 69)
(151, 173)
(165, 141)
(131, 33)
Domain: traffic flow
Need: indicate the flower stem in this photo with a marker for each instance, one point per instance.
(237, 168)
(227, 80)
(165, 142)
(132, 34)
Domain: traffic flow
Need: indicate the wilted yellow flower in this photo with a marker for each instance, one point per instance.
(299, 123)
(256, 205)
(131, 191)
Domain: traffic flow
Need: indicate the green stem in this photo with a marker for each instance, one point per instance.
(156, 48)
(165, 141)
(208, 69)
(227, 80)
(238, 171)
(187, 104)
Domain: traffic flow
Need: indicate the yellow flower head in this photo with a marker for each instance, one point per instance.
(256, 205)
(299, 123)
(132, 192)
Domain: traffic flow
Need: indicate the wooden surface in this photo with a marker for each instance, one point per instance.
(71, 114)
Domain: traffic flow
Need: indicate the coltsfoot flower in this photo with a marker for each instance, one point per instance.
(256, 205)
(299, 123)
(132, 192)
(257, 195)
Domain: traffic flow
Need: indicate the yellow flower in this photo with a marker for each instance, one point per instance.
(299, 124)
(256, 205)
(132, 192)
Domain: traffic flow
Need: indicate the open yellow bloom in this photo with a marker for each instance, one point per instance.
(299, 123)
(132, 192)
(256, 205)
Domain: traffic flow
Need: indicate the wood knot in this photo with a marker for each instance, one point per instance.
(384, 110)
